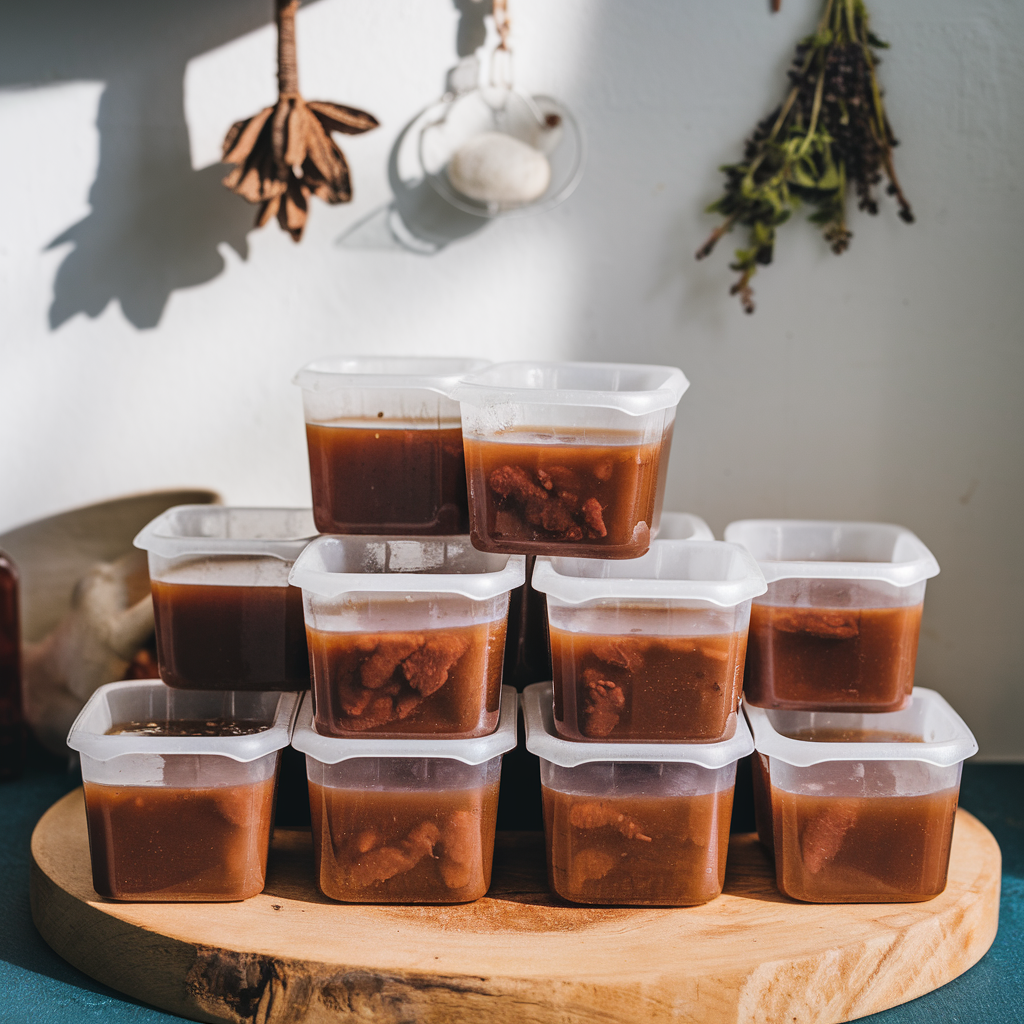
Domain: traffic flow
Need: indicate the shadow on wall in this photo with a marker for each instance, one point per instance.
(155, 224)
(418, 219)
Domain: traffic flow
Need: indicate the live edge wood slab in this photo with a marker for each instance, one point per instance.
(518, 955)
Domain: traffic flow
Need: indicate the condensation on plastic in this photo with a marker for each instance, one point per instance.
(368, 584)
(836, 564)
(542, 740)
(222, 546)
(403, 774)
(606, 779)
(502, 393)
(127, 759)
(945, 738)
(683, 526)
(413, 392)
(479, 750)
(690, 574)
(865, 769)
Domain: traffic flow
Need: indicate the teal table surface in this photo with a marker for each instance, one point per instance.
(37, 986)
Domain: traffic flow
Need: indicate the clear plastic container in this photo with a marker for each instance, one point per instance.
(567, 458)
(649, 649)
(225, 615)
(839, 624)
(683, 526)
(385, 444)
(180, 817)
(400, 820)
(406, 636)
(632, 824)
(861, 805)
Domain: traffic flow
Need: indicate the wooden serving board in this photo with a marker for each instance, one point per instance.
(518, 955)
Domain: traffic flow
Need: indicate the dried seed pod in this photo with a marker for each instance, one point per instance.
(285, 153)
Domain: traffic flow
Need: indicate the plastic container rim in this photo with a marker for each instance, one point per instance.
(700, 529)
(101, 747)
(583, 590)
(173, 545)
(319, 377)
(474, 750)
(487, 584)
(477, 390)
(805, 753)
(541, 739)
(899, 574)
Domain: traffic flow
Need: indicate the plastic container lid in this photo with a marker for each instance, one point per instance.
(634, 389)
(686, 570)
(824, 550)
(332, 566)
(427, 372)
(683, 526)
(477, 750)
(542, 740)
(218, 530)
(88, 733)
(947, 740)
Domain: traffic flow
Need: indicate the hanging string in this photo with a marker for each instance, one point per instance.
(501, 59)
(502, 22)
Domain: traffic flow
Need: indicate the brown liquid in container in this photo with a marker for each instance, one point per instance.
(12, 723)
(627, 688)
(563, 499)
(635, 850)
(385, 479)
(394, 846)
(189, 727)
(843, 659)
(762, 792)
(425, 682)
(892, 849)
(829, 734)
(165, 843)
(230, 638)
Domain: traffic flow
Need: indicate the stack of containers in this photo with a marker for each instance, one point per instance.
(433, 480)
(857, 771)
(639, 736)
(407, 721)
(180, 775)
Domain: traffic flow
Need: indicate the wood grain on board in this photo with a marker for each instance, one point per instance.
(518, 955)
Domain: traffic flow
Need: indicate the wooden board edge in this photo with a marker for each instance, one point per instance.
(232, 986)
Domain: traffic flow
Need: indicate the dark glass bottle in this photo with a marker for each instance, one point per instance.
(12, 726)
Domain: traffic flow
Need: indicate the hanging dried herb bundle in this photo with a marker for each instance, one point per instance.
(830, 134)
(285, 153)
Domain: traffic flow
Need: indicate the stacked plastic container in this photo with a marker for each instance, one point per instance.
(180, 774)
(434, 481)
(857, 771)
(407, 721)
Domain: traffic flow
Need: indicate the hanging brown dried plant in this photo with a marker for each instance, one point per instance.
(285, 153)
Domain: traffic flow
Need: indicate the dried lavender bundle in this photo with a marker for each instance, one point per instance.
(830, 134)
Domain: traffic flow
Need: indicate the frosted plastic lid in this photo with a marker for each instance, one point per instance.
(635, 389)
(219, 530)
(149, 699)
(331, 566)
(809, 549)
(542, 740)
(332, 749)
(688, 570)
(683, 526)
(430, 373)
(946, 738)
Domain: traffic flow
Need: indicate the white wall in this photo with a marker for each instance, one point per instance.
(148, 335)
